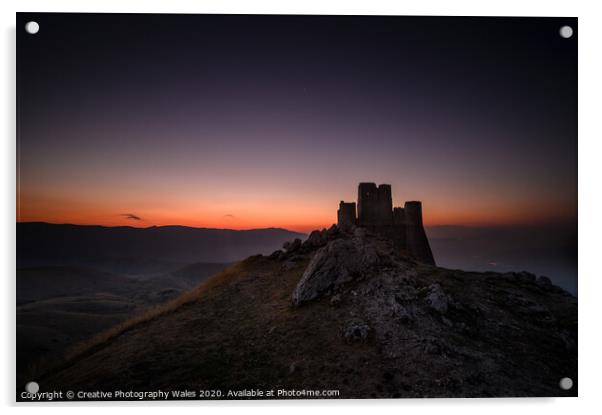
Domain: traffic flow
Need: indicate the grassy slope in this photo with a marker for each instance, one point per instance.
(60, 306)
(244, 344)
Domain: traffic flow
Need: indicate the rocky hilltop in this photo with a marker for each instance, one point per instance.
(343, 310)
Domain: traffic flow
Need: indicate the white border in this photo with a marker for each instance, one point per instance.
(590, 206)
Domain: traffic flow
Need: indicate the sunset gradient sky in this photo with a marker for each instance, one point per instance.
(245, 122)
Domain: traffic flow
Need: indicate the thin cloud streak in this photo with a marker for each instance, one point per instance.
(131, 216)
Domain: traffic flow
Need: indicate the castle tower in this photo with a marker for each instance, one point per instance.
(374, 205)
(399, 216)
(417, 244)
(401, 225)
(346, 215)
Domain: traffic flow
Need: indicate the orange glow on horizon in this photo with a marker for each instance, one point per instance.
(252, 214)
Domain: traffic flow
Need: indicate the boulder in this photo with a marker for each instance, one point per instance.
(333, 265)
(437, 299)
(356, 330)
(292, 246)
(315, 240)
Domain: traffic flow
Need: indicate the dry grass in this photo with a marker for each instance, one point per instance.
(98, 341)
(236, 331)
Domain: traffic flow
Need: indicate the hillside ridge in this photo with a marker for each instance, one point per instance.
(343, 310)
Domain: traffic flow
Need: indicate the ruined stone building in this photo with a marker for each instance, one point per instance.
(375, 212)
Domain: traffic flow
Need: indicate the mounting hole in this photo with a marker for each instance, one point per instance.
(566, 32)
(32, 28)
(566, 383)
(32, 387)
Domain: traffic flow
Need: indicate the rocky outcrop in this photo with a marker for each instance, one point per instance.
(297, 249)
(462, 328)
(339, 262)
(437, 299)
(292, 246)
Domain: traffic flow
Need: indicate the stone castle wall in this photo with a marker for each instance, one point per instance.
(417, 243)
(374, 205)
(346, 215)
(375, 212)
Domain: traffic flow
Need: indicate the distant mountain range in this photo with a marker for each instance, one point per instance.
(132, 250)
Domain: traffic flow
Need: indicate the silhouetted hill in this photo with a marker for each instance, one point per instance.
(127, 250)
(342, 310)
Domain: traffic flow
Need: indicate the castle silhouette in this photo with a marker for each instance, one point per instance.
(375, 212)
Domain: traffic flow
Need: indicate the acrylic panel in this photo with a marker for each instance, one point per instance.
(284, 206)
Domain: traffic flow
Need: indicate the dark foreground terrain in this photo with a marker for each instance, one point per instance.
(74, 281)
(342, 311)
(58, 307)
